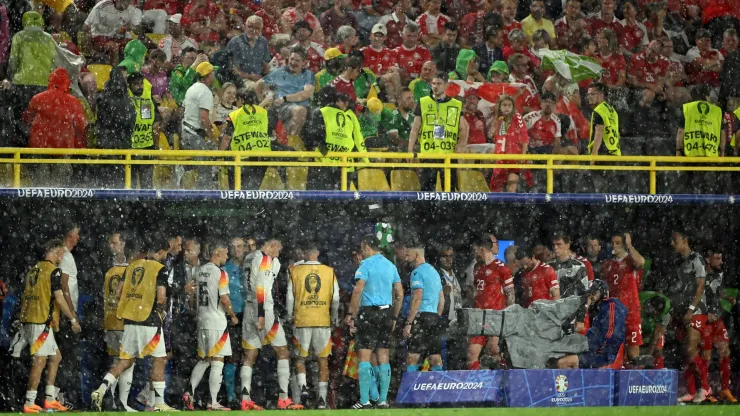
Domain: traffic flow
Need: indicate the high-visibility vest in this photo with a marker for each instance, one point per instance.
(250, 129)
(611, 129)
(702, 129)
(143, 136)
(440, 125)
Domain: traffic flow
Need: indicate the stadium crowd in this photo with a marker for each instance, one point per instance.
(183, 307)
(249, 75)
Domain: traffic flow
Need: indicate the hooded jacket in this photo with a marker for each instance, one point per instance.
(32, 53)
(133, 56)
(116, 114)
(57, 119)
(461, 67)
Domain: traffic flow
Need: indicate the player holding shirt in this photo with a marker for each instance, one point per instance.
(494, 289)
(260, 325)
(539, 280)
(213, 304)
(620, 273)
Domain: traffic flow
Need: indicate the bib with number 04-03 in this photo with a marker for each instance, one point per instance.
(146, 111)
(439, 131)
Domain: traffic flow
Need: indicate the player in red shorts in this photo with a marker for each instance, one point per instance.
(715, 333)
(494, 289)
(688, 293)
(539, 280)
(620, 273)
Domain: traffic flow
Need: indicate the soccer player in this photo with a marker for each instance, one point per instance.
(377, 288)
(539, 280)
(572, 276)
(494, 289)
(422, 327)
(213, 304)
(142, 305)
(620, 273)
(233, 268)
(40, 305)
(261, 326)
(312, 304)
(715, 333)
(112, 325)
(689, 293)
(656, 315)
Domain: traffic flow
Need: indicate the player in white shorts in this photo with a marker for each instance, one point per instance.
(213, 304)
(312, 304)
(260, 326)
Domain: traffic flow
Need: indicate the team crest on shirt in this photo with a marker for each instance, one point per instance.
(417, 56)
(488, 272)
(137, 277)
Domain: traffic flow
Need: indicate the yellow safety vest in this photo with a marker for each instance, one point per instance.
(440, 125)
(737, 114)
(38, 305)
(702, 129)
(313, 289)
(110, 300)
(143, 136)
(139, 290)
(342, 130)
(611, 129)
(250, 129)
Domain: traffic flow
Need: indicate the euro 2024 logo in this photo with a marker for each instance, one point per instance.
(561, 384)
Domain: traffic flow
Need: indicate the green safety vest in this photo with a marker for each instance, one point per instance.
(611, 129)
(702, 129)
(340, 131)
(250, 129)
(440, 125)
(143, 136)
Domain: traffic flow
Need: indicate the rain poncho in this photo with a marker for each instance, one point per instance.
(4, 34)
(57, 119)
(461, 68)
(116, 114)
(133, 56)
(32, 53)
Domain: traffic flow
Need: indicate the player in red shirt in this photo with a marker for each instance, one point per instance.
(494, 289)
(647, 72)
(620, 273)
(510, 137)
(410, 56)
(539, 280)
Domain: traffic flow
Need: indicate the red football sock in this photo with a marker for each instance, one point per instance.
(703, 371)
(474, 365)
(724, 370)
(659, 363)
(688, 374)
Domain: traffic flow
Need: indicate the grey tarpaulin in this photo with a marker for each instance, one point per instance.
(532, 335)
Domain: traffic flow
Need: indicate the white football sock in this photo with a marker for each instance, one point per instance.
(215, 379)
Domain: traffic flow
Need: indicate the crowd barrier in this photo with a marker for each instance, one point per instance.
(540, 388)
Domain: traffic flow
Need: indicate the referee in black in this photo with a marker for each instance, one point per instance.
(427, 303)
(377, 288)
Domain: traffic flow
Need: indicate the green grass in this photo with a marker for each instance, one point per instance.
(575, 411)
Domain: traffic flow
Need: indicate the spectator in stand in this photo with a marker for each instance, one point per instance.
(467, 67)
(249, 52)
(432, 23)
(473, 25)
(445, 52)
(282, 46)
(411, 56)
(382, 62)
(705, 62)
(397, 123)
(199, 17)
(176, 41)
(344, 83)
(369, 14)
(302, 34)
(540, 40)
(458, 9)
(114, 128)
(519, 73)
(536, 21)
(334, 61)
(634, 34)
(302, 11)
(508, 14)
(647, 74)
(57, 121)
(498, 73)
(676, 93)
(718, 16)
(395, 23)
(271, 18)
(336, 17)
(293, 87)
(543, 127)
(475, 119)
(615, 68)
(605, 18)
(197, 129)
(509, 134)
(154, 13)
(572, 27)
(422, 86)
(156, 74)
(4, 40)
(346, 39)
(518, 44)
(226, 104)
(109, 24)
(729, 42)
(490, 51)
(655, 15)
(184, 74)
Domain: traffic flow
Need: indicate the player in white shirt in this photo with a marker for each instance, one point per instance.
(213, 304)
(260, 326)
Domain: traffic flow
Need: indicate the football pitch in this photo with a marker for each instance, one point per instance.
(561, 411)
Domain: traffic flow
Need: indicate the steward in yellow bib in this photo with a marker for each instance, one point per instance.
(440, 129)
(332, 128)
(42, 299)
(700, 131)
(146, 128)
(312, 305)
(604, 124)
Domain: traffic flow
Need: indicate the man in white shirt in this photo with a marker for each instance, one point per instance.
(176, 41)
(110, 24)
(68, 340)
(197, 133)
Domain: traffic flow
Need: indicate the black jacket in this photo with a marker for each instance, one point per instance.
(445, 56)
(116, 114)
(485, 62)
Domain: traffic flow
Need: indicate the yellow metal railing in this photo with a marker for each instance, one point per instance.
(651, 164)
